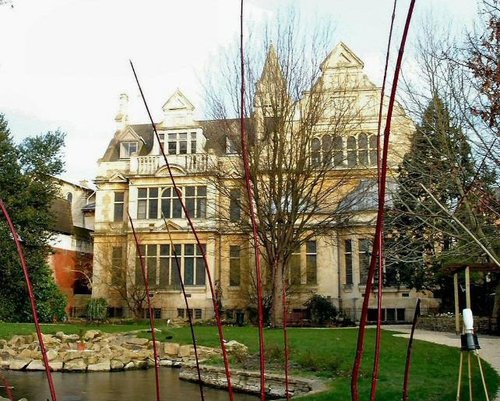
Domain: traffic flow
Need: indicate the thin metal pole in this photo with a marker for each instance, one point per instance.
(469, 368)
(145, 277)
(32, 300)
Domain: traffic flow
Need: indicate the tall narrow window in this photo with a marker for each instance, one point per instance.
(196, 201)
(193, 142)
(234, 265)
(295, 273)
(194, 269)
(364, 260)
(128, 149)
(117, 272)
(327, 149)
(316, 152)
(348, 261)
(373, 150)
(351, 152)
(119, 203)
(363, 149)
(147, 203)
(165, 274)
(311, 263)
(151, 259)
(338, 151)
(234, 205)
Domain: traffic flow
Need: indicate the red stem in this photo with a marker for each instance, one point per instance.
(252, 213)
(380, 239)
(32, 300)
(8, 388)
(285, 341)
(380, 215)
(198, 242)
(150, 309)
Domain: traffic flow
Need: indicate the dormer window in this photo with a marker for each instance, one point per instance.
(178, 143)
(128, 149)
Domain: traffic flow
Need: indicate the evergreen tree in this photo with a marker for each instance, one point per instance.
(419, 233)
(27, 189)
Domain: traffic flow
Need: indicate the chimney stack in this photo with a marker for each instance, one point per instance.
(122, 116)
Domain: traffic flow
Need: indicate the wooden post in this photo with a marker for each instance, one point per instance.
(457, 303)
(467, 287)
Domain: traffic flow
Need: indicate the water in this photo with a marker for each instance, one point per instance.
(137, 385)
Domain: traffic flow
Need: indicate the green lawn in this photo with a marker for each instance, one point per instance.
(327, 353)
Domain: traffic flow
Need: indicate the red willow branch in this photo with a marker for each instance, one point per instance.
(32, 300)
(201, 249)
(380, 215)
(252, 212)
(380, 238)
(150, 309)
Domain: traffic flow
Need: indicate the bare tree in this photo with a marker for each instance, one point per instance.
(299, 112)
(119, 274)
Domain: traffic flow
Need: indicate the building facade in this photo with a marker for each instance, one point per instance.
(133, 180)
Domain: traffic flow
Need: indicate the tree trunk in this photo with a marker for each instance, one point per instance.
(277, 300)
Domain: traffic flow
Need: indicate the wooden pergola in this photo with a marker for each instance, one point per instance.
(456, 269)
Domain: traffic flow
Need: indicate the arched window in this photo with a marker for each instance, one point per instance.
(327, 150)
(363, 149)
(316, 152)
(69, 197)
(351, 152)
(338, 151)
(373, 150)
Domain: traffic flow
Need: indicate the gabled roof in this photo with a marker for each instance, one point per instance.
(341, 57)
(144, 132)
(178, 102)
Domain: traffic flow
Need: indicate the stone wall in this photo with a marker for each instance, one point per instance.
(94, 352)
(482, 325)
(247, 381)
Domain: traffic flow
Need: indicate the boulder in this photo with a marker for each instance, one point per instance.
(184, 351)
(75, 365)
(19, 364)
(52, 354)
(91, 334)
(104, 366)
(137, 341)
(56, 366)
(16, 341)
(116, 364)
(36, 365)
(129, 366)
(237, 349)
(171, 349)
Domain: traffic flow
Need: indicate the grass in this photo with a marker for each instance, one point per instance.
(327, 353)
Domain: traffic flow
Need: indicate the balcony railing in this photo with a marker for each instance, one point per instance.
(190, 163)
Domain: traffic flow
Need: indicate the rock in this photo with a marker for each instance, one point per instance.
(49, 339)
(60, 335)
(129, 366)
(24, 354)
(171, 349)
(116, 364)
(75, 365)
(36, 365)
(71, 338)
(104, 366)
(16, 341)
(137, 341)
(166, 362)
(19, 364)
(56, 366)
(91, 334)
(52, 354)
(141, 364)
(184, 351)
(70, 355)
(235, 348)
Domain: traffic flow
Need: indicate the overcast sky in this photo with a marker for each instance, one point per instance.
(64, 63)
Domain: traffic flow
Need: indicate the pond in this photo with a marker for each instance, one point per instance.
(137, 385)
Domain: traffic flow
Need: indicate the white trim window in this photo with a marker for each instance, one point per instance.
(128, 148)
(178, 143)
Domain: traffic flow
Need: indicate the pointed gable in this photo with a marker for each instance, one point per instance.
(177, 102)
(342, 57)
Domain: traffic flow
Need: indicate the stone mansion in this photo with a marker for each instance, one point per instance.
(132, 180)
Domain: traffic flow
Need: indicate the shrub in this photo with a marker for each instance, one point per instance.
(97, 309)
(321, 310)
